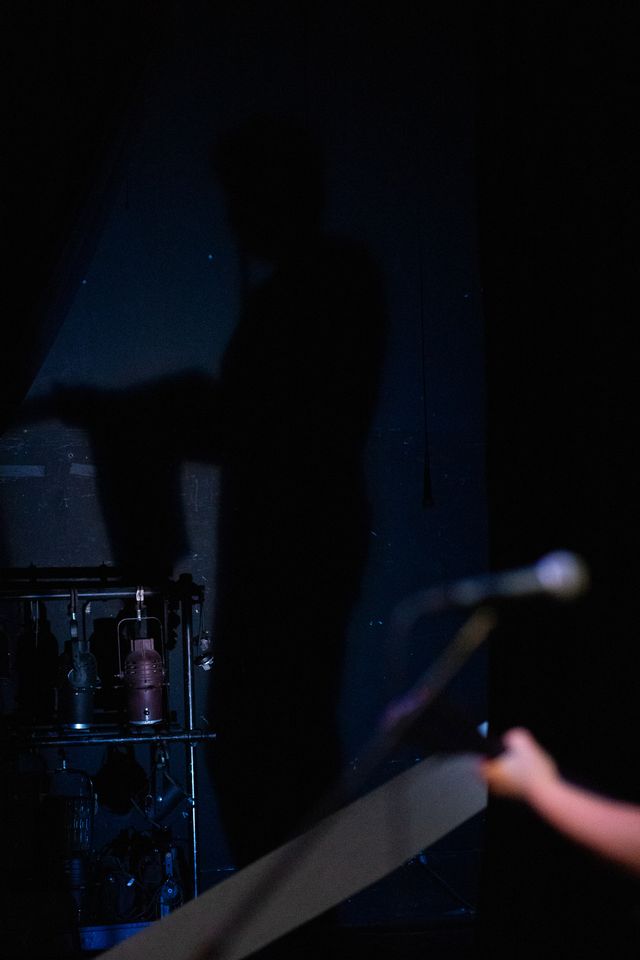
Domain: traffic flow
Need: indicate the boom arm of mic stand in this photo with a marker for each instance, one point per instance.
(404, 712)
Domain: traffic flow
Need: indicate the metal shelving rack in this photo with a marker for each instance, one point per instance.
(109, 583)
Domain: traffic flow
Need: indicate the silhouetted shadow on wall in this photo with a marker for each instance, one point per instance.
(286, 421)
(299, 381)
(138, 439)
(74, 106)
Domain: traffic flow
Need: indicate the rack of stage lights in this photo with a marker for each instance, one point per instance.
(143, 672)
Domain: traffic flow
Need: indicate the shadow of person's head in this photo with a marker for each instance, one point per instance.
(272, 173)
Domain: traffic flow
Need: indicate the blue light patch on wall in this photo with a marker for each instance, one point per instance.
(21, 471)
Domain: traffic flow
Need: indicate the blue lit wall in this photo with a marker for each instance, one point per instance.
(390, 102)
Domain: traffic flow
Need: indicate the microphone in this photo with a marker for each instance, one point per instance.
(560, 575)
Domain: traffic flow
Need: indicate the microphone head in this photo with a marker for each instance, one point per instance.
(563, 575)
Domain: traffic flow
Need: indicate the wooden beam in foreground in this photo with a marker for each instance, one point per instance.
(337, 858)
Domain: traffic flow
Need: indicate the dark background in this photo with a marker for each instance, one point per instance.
(482, 157)
(558, 213)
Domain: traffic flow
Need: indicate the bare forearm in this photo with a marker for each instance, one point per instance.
(525, 772)
(608, 827)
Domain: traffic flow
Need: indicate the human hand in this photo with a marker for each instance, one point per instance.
(523, 767)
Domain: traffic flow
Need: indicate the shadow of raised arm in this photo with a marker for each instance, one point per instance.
(139, 438)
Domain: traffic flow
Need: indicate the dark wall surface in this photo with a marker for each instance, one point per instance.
(273, 381)
(558, 201)
(132, 281)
